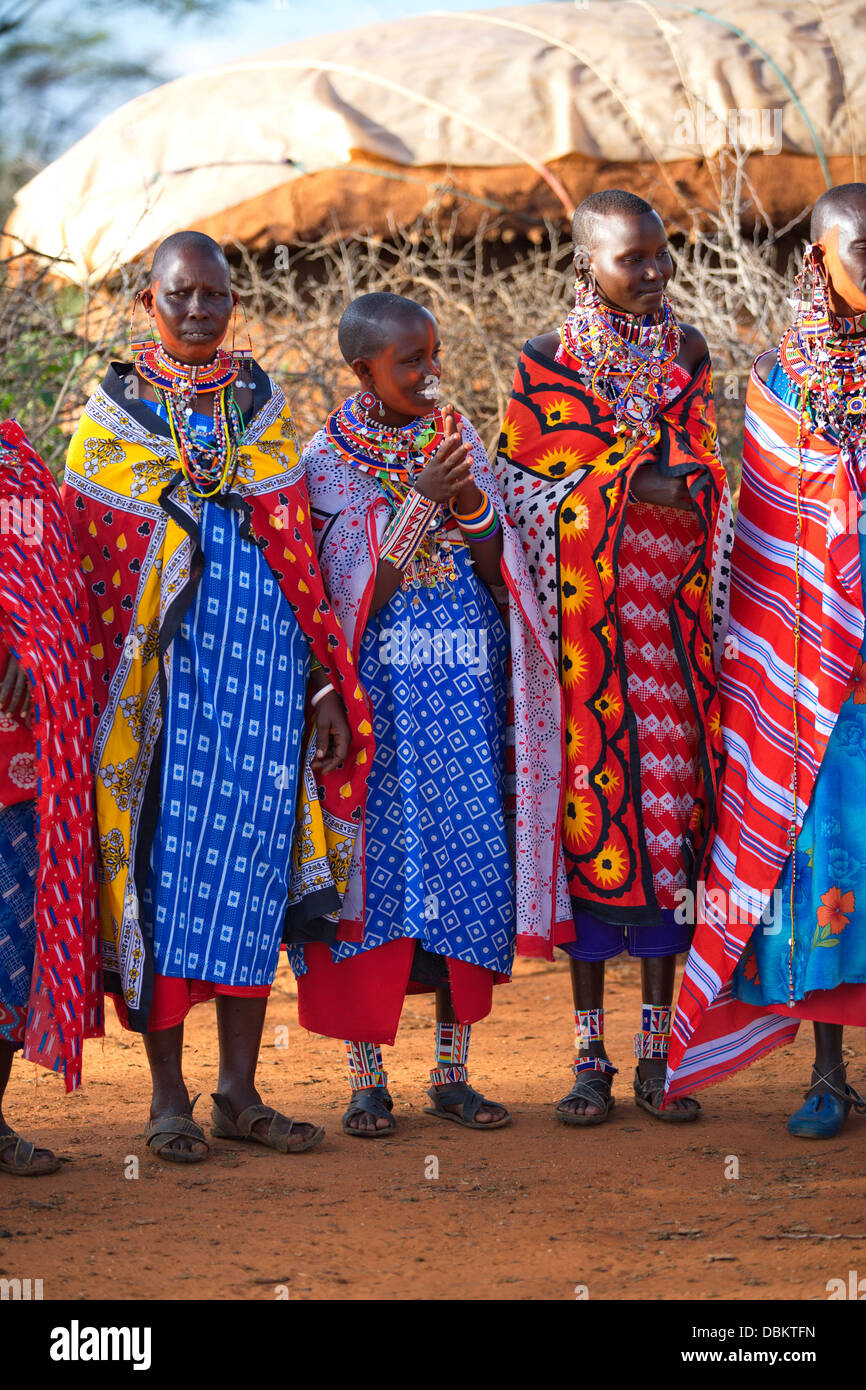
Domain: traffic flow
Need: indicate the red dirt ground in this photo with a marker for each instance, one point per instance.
(633, 1209)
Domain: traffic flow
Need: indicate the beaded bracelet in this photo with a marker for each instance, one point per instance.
(481, 524)
(408, 529)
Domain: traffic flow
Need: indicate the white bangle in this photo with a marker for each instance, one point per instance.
(320, 694)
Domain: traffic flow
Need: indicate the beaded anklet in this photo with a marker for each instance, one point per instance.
(588, 1029)
(452, 1053)
(653, 1042)
(365, 1065)
(601, 1064)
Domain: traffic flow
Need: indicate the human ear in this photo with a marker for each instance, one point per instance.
(816, 251)
(583, 267)
(361, 368)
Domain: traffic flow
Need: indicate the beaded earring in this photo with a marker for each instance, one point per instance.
(137, 345)
(813, 306)
(243, 357)
(366, 400)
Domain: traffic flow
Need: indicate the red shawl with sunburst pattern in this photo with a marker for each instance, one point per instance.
(565, 476)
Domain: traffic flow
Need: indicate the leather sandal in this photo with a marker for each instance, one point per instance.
(159, 1133)
(372, 1100)
(655, 1086)
(594, 1086)
(471, 1101)
(278, 1135)
(21, 1159)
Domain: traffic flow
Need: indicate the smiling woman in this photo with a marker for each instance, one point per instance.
(209, 620)
(431, 588)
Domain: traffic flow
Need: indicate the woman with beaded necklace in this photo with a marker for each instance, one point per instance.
(784, 935)
(212, 637)
(417, 557)
(609, 466)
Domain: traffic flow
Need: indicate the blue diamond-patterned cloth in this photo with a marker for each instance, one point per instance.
(217, 890)
(438, 866)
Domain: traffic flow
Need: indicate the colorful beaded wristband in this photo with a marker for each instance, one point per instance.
(408, 530)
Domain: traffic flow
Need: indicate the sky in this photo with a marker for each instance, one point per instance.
(253, 25)
(247, 26)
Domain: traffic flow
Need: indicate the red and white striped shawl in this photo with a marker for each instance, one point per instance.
(43, 605)
(713, 1033)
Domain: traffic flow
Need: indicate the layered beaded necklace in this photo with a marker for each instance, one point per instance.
(208, 465)
(825, 359)
(394, 455)
(625, 359)
(401, 451)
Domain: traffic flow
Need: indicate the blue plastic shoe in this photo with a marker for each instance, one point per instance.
(825, 1111)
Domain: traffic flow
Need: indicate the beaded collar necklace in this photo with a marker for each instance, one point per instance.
(398, 451)
(182, 381)
(626, 359)
(394, 455)
(207, 464)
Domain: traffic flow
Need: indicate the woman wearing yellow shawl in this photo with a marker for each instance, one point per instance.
(209, 622)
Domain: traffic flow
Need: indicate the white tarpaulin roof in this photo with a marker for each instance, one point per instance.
(605, 80)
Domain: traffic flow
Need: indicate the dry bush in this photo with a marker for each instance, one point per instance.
(488, 297)
(485, 302)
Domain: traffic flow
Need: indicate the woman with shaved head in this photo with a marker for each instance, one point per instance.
(784, 936)
(212, 640)
(610, 468)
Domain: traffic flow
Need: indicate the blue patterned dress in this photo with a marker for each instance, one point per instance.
(830, 881)
(216, 894)
(438, 867)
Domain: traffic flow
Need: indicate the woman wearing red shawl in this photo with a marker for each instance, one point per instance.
(609, 467)
(782, 933)
(50, 998)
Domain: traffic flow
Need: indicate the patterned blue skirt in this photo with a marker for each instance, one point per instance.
(232, 743)
(18, 869)
(438, 865)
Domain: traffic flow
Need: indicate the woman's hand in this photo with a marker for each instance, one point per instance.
(15, 690)
(647, 486)
(449, 471)
(332, 733)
